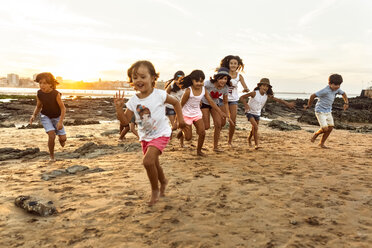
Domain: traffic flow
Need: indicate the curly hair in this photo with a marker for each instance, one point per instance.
(49, 78)
(225, 62)
(335, 79)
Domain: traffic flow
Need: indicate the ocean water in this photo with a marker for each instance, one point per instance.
(128, 93)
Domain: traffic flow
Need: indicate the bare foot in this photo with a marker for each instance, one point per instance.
(162, 188)
(230, 145)
(257, 147)
(217, 150)
(314, 138)
(250, 142)
(154, 197)
(200, 153)
(323, 146)
(51, 160)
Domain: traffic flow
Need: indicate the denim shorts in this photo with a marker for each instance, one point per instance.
(169, 111)
(220, 102)
(249, 116)
(50, 124)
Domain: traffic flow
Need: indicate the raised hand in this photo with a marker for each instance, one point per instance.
(291, 105)
(119, 99)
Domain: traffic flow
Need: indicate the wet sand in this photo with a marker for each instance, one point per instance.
(290, 193)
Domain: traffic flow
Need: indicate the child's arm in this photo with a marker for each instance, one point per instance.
(185, 97)
(168, 89)
(38, 107)
(214, 106)
(310, 102)
(124, 118)
(63, 112)
(244, 97)
(178, 109)
(288, 104)
(346, 105)
(241, 79)
(226, 105)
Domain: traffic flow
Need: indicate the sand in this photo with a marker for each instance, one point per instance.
(290, 193)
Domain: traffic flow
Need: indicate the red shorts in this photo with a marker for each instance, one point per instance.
(159, 143)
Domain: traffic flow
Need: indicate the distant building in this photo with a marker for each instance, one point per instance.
(3, 81)
(13, 80)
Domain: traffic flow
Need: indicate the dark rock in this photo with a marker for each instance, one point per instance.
(281, 125)
(35, 206)
(131, 147)
(32, 126)
(78, 122)
(7, 125)
(11, 153)
(110, 132)
(76, 168)
(90, 147)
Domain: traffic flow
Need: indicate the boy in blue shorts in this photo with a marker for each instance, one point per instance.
(323, 108)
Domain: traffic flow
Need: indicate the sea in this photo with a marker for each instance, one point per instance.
(69, 93)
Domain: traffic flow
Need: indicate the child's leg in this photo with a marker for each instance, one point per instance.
(254, 131)
(199, 124)
(223, 120)
(62, 139)
(149, 161)
(217, 119)
(132, 127)
(206, 118)
(233, 112)
(124, 132)
(316, 134)
(172, 121)
(325, 136)
(161, 177)
(51, 143)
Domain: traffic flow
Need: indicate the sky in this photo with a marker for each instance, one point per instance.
(297, 44)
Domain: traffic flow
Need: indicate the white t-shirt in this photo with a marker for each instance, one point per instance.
(256, 103)
(233, 95)
(150, 115)
(177, 95)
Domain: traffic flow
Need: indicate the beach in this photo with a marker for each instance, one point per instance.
(290, 193)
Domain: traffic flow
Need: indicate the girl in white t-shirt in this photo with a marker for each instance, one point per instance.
(174, 89)
(235, 66)
(148, 106)
(190, 102)
(257, 101)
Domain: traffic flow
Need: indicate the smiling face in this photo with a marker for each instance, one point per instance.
(221, 82)
(233, 65)
(142, 80)
(197, 83)
(264, 88)
(44, 86)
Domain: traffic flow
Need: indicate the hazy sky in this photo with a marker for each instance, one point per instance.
(295, 43)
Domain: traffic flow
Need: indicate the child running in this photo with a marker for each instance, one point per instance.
(49, 102)
(323, 108)
(216, 87)
(257, 101)
(235, 65)
(176, 91)
(190, 102)
(125, 129)
(148, 106)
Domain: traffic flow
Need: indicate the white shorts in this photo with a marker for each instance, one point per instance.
(325, 119)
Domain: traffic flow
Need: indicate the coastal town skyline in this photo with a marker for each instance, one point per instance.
(295, 44)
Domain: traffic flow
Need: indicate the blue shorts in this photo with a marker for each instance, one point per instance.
(230, 103)
(219, 104)
(50, 124)
(249, 116)
(169, 111)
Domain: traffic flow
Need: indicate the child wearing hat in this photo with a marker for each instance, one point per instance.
(257, 101)
(217, 87)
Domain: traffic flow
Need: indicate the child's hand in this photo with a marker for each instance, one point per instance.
(32, 119)
(119, 100)
(181, 124)
(346, 106)
(59, 125)
(246, 90)
(246, 108)
(291, 105)
(223, 114)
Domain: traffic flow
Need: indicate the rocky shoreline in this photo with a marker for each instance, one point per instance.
(85, 111)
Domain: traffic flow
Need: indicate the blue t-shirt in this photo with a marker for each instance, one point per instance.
(326, 98)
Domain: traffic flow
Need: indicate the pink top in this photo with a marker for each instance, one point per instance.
(192, 106)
